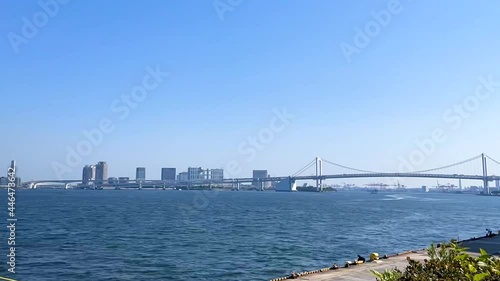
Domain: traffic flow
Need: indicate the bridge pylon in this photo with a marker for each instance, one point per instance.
(485, 175)
(319, 172)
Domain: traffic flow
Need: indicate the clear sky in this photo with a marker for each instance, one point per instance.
(230, 68)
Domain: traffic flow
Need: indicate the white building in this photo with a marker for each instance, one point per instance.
(258, 175)
(286, 186)
(217, 174)
(196, 173)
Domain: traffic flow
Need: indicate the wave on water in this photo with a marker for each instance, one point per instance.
(431, 199)
(393, 197)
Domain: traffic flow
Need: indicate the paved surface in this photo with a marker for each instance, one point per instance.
(362, 272)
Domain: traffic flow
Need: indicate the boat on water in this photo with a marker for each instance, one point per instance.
(373, 191)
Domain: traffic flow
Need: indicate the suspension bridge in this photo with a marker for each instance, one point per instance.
(475, 168)
(481, 168)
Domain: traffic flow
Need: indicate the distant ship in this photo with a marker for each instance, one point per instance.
(374, 191)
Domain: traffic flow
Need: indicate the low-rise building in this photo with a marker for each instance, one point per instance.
(112, 180)
(123, 180)
(184, 176)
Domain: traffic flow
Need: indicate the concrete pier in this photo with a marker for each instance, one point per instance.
(363, 272)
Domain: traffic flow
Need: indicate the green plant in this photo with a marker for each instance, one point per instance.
(447, 263)
(388, 275)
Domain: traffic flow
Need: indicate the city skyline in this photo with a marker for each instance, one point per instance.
(90, 174)
(248, 140)
(257, 105)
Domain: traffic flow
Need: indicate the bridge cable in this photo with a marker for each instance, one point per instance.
(493, 160)
(349, 168)
(304, 168)
(448, 166)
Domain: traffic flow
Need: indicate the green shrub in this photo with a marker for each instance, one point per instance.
(447, 263)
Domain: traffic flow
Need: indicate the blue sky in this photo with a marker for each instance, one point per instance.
(226, 76)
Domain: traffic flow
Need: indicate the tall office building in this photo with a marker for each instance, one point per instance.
(18, 182)
(87, 175)
(101, 172)
(168, 174)
(140, 173)
(93, 172)
(217, 174)
(195, 173)
(259, 174)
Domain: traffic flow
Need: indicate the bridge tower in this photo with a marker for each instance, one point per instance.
(319, 172)
(485, 175)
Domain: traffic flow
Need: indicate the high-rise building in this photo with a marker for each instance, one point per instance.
(260, 174)
(217, 174)
(87, 175)
(93, 172)
(101, 172)
(195, 173)
(168, 174)
(140, 173)
(18, 182)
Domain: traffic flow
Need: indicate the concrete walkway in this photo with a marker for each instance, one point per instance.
(363, 272)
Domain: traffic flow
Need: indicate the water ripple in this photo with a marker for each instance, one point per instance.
(163, 235)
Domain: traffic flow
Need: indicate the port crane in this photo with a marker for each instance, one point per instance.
(377, 185)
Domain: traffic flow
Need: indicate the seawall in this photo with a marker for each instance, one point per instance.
(362, 272)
